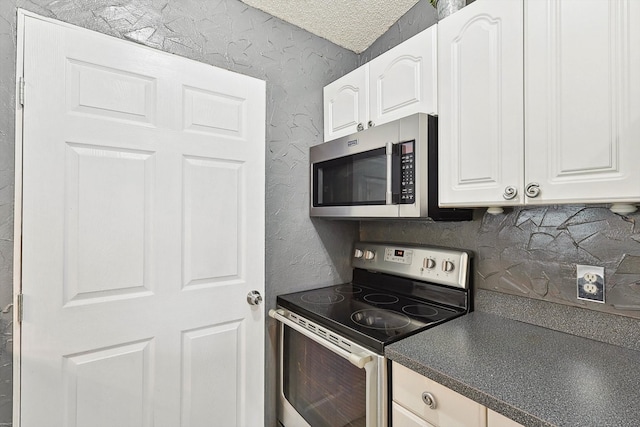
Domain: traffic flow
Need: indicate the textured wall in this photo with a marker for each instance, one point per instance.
(533, 252)
(300, 253)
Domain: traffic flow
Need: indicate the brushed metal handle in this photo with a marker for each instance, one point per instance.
(429, 400)
(510, 192)
(360, 127)
(532, 189)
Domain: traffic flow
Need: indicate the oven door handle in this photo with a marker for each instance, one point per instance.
(359, 360)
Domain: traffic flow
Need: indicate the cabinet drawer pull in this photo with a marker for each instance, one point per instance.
(429, 400)
(533, 189)
(371, 124)
(510, 192)
(360, 127)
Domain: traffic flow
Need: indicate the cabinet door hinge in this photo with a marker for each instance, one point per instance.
(21, 91)
(19, 303)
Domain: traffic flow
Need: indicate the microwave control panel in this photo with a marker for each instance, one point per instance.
(407, 172)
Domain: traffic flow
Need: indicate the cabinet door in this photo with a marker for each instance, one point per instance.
(402, 81)
(451, 409)
(346, 103)
(404, 418)
(582, 82)
(495, 419)
(480, 104)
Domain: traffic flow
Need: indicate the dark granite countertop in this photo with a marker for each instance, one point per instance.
(533, 375)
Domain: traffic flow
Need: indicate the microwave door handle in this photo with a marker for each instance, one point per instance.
(389, 194)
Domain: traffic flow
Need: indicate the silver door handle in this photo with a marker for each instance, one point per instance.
(254, 298)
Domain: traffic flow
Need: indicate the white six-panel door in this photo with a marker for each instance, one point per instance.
(142, 233)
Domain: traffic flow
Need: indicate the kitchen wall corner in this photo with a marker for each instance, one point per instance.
(300, 253)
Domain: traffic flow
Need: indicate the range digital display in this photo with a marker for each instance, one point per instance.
(399, 252)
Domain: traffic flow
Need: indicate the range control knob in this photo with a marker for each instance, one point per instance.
(358, 253)
(369, 254)
(428, 263)
(448, 266)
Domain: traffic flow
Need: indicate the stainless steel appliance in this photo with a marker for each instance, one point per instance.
(332, 370)
(388, 171)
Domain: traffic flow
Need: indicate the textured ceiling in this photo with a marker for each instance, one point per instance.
(352, 24)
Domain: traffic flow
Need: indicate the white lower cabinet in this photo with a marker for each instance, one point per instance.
(449, 409)
(421, 402)
(495, 419)
(405, 418)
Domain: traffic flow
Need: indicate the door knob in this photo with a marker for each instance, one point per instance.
(254, 298)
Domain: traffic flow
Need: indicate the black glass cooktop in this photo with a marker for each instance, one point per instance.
(369, 316)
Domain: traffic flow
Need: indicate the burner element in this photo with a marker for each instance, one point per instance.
(420, 310)
(348, 289)
(381, 298)
(323, 297)
(380, 319)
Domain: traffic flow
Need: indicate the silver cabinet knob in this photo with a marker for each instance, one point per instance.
(360, 127)
(429, 400)
(532, 189)
(254, 298)
(510, 193)
(371, 124)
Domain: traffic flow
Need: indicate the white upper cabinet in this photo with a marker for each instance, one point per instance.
(565, 127)
(582, 100)
(403, 80)
(481, 105)
(396, 84)
(346, 104)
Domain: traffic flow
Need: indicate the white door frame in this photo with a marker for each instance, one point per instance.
(17, 219)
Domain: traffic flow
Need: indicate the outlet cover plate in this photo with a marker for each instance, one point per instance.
(590, 283)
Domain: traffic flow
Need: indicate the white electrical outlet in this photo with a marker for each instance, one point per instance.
(590, 282)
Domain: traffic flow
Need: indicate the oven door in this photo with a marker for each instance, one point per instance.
(322, 384)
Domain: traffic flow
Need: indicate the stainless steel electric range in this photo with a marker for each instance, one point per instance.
(332, 370)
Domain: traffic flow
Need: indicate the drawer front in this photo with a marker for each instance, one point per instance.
(451, 408)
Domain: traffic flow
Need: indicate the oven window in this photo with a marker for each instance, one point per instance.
(359, 179)
(323, 387)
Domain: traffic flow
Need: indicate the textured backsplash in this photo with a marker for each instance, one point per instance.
(533, 252)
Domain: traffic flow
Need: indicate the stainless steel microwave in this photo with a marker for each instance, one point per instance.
(388, 171)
